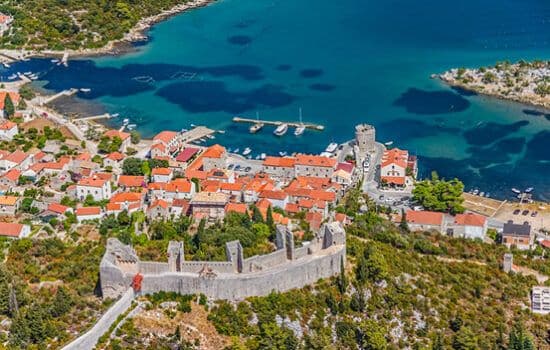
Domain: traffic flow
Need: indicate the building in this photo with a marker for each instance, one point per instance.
(468, 225)
(123, 136)
(175, 189)
(278, 199)
(131, 182)
(170, 140)
(99, 189)
(279, 167)
(365, 137)
(14, 230)
(215, 157)
(8, 130)
(518, 235)
(425, 220)
(88, 213)
(314, 166)
(540, 300)
(5, 23)
(393, 168)
(9, 205)
(162, 174)
(209, 205)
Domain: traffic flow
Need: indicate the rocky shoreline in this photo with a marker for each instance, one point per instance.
(125, 45)
(520, 82)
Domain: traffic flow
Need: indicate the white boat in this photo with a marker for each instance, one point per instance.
(482, 194)
(282, 154)
(6, 65)
(515, 190)
(33, 77)
(331, 147)
(192, 125)
(281, 130)
(262, 156)
(12, 77)
(131, 126)
(115, 115)
(211, 137)
(257, 157)
(300, 129)
(529, 190)
(55, 60)
(85, 90)
(125, 121)
(27, 73)
(247, 151)
(389, 143)
(256, 127)
(221, 131)
(476, 191)
(236, 150)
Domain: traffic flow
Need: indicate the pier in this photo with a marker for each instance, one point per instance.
(277, 123)
(97, 117)
(196, 133)
(49, 99)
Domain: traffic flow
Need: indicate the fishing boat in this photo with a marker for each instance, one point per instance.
(281, 130)
(6, 65)
(256, 127)
(529, 190)
(12, 77)
(211, 137)
(27, 73)
(389, 143)
(301, 128)
(262, 156)
(221, 131)
(515, 190)
(85, 90)
(33, 77)
(247, 151)
(331, 147)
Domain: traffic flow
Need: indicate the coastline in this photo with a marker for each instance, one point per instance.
(124, 45)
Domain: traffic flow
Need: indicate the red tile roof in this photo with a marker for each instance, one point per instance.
(58, 208)
(92, 182)
(279, 195)
(285, 162)
(470, 219)
(347, 167)
(317, 161)
(159, 203)
(161, 171)
(85, 211)
(13, 175)
(397, 180)
(16, 157)
(236, 207)
(126, 197)
(186, 154)
(121, 134)
(116, 156)
(7, 125)
(131, 181)
(10, 229)
(395, 156)
(165, 136)
(424, 217)
(215, 151)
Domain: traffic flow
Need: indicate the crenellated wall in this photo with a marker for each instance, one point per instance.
(237, 278)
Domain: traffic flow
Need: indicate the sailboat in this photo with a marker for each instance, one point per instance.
(300, 129)
(256, 127)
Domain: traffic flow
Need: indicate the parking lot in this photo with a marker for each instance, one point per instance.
(536, 214)
(243, 166)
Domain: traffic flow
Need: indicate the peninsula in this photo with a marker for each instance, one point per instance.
(525, 82)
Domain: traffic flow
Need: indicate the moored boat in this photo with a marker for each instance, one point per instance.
(331, 147)
(515, 190)
(256, 127)
(281, 130)
(247, 151)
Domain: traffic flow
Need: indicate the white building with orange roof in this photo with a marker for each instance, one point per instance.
(170, 139)
(158, 150)
(10, 178)
(99, 189)
(279, 167)
(158, 210)
(277, 198)
(17, 159)
(131, 182)
(215, 157)
(395, 166)
(8, 130)
(253, 188)
(9, 205)
(14, 230)
(425, 221)
(114, 160)
(221, 175)
(88, 213)
(175, 189)
(124, 137)
(5, 23)
(468, 225)
(316, 166)
(162, 174)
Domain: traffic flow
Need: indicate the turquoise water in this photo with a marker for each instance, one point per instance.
(344, 63)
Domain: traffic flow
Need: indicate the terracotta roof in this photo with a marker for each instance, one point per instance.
(397, 180)
(317, 161)
(424, 217)
(113, 207)
(159, 146)
(159, 203)
(10, 229)
(236, 207)
(104, 176)
(126, 197)
(16, 157)
(231, 186)
(161, 171)
(215, 151)
(347, 167)
(280, 195)
(210, 197)
(286, 162)
(314, 219)
(84, 156)
(186, 154)
(12, 175)
(8, 200)
(165, 136)
(395, 156)
(292, 208)
(7, 125)
(84, 211)
(58, 208)
(121, 134)
(322, 195)
(470, 219)
(340, 217)
(131, 180)
(92, 182)
(116, 156)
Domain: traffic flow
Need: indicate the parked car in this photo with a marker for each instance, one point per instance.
(516, 212)
(533, 214)
(247, 169)
(525, 212)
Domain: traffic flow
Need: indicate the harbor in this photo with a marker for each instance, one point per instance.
(312, 126)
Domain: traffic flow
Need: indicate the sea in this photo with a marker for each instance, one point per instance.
(341, 63)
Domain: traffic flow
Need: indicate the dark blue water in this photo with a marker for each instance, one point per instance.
(343, 63)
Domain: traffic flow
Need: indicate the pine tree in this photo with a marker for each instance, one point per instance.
(438, 343)
(9, 108)
(62, 303)
(13, 305)
(269, 218)
(403, 224)
(257, 215)
(342, 279)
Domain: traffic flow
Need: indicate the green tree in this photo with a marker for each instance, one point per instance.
(9, 108)
(269, 219)
(135, 137)
(257, 215)
(372, 336)
(132, 166)
(440, 195)
(403, 224)
(465, 339)
(518, 339)
(62, 303)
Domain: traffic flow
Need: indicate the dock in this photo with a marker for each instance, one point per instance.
(277, 123)
(97, 117)
(196, 133)
(69, 92)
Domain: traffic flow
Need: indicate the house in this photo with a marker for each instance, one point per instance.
(55, 210)
(162, 174)
(221, 175)
(210, 205)
(279, 167)
(179, 207)
(540, 300)
(14, 96)
(277, 198)
(315, 166)
(518, 235)
(5, 23)
(113, 159)
(123, 136)
(8, 130)
(14, 230)
(175, 189)
(99, 189)
(393, 167)
(170, 140)
(468, 225)
(425, 220)
(127, 182)
(240, 208)
(215, 157)
(17, 159)
(11, 178)
(9, 205)
(88, 213)
(158, 150)
(158, 210)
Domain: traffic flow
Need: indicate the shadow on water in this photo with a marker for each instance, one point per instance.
(239, 40)
(463, 92)
(311, 73)
(322, 87)
(213, 96)
(491, 132)
(431, 102)
(405, 130)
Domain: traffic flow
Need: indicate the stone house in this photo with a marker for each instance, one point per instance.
(468, 225)
(9, 205)
(279, 167)
(425, 221)
(314, 166)
(14, 230)
(518, 235)
(88, 213)
(162, 174)
(209, 205)
(215, 157)
(99, 189)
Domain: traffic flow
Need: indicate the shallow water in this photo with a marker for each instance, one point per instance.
(344, 63)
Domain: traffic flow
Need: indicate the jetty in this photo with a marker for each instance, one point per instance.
(52, 98)
(277, 123)
(196, 133)
(97, 117)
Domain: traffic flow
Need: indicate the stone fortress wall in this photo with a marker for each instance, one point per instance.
(235, 279)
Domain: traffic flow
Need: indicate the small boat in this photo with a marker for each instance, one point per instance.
(529, 190)
(184, 130)
(211, 137)
(229, 150)
(193, 125)
(482, 194)
(116, 115)
(12, 77)
(515, 190)
(282, 154)
(300, 129)
(55, 60)
(389, 143)
(6, 65)
(257, 157)
(33, 77)
(487, 195)
(262, 156)
(125, 121)
(27, 73)
(247, 151)
(256, 127)
(131, 126)
(281, 130)
(221, 131)
(476, 191)
(331, 147)
(85, 90)
(236, 150)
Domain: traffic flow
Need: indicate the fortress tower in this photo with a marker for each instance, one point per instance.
(365, 136)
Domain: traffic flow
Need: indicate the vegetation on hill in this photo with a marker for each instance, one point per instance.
(58, 25)
(439, 195)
